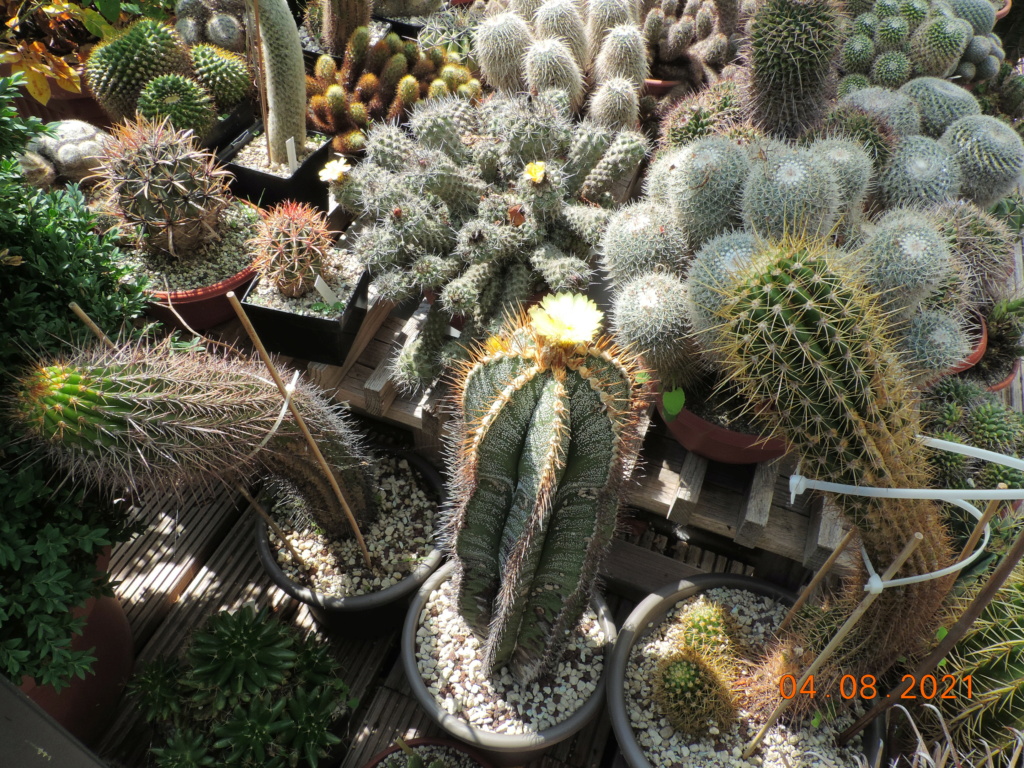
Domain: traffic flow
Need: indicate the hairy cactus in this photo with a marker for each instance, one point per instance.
(285, 76)
(291, 246)
(181, 100)
(792, 47)
(159, 419)
(223, 73)
(562, 20)
(897, 109)
(160, 183)
(119, 68)
(603, 15)
(532, 548)
(852, 169)
(690, 690)
(500, 45)
(990, 156)
(921, 172)
(937, 45)
(940, 103)
(791, 191)
(226, 31)
(639, 239)
(338, 19)
(712, 266)
(623, 54)
(615, 104)
(981, 241)
(550, 63)
(650, 317)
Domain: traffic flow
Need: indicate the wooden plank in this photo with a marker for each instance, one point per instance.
(755, 510)
(390, 714)
(634, 572)
(691, 480)
(825, 531)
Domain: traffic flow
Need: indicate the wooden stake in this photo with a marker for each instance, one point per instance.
(243, 318)
(261, 68)
(838, 638)
(818, 578)
(80, 313)
(979, 529)
(303, 568)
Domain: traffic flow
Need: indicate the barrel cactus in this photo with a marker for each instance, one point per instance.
(990, 155)
(291, 246)
(690, 690)
(181, 100)
(223, 73)
(532, 511)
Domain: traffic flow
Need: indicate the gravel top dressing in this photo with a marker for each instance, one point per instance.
(448, 658)
(452, 757)
(338, 275)
(400, 539)
(784, 747)
(254, 155)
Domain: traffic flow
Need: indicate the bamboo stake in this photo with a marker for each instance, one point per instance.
(91, 325)
(303, 568)
(818, 578)
(956, 632)
(829, 649)
(243, 318)
(261, 68)
(990, 512)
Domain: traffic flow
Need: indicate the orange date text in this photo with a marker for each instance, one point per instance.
(866, 687)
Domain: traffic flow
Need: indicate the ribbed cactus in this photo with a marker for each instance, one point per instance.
(940, 103)
(183, 101)
(550, 63)
(801, 336)
(532, 510)
(690, 690)
(158, 419)
(990, 156)
(852, 169)
(791, 191)
(119, 68)
(223, 73)
(500, 43)
(921, 172)
(936, 46)
(896, 108)
(285, 78)
(793, 44)
(291, 246)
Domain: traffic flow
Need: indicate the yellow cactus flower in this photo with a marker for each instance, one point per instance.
(566, 318)
(535, 172)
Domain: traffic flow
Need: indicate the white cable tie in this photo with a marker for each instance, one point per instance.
(289, 389)
(875, 584)
(797, 485)
(938, 494)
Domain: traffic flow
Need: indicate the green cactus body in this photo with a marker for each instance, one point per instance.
(434, 126)
(615, 104)
(181, 100)
(712, 266)
(978, 49)
(886, 9)
(1011, 96)
(891, 69)
(292, 245)
(990, 156)
(285, 75)
(865, 24)
(223, 73)
(873, 133)
(560, 271)
(623, 54)
(546, 420)
(980, 240)
(851, 166)
(937, 45)
(621, 160)
(921, 172)
(710, 110)
(857, 54)
(988, 68)
(940, 103)
(793, 44)
(892, 34)
(500, 43)
(158, 419)
(706, 627)
(602, 16)
(980, 13)
(561, 19)
(339, 18)
(589, 145)
(790, 191)
(641, 238)
(418, 360)
(587, 222)
(550, 64)
(690, 691)
(933, 342)
(914, 11)
(897, 109)
(119, 68)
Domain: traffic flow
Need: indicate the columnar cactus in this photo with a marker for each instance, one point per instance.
(532, 512)
(338, 19)
(285, 78)
(500, 43)
(623, 54)
(562, 19)
(159, 419)
(550, 64)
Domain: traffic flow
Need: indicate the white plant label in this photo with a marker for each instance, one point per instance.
(293, 160)
(325, 291)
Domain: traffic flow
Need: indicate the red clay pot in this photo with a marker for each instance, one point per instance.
(979, 350)
(1002, 12)
(718, 443)
(376, 759)
(201, 308)
(1007, 381)
(654, 87)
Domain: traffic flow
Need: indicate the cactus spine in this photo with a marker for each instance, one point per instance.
(532, 513)
(339, 19)
(500, 43)
(285, 78)
(990, 156)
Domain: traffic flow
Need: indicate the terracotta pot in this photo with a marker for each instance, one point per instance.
(999, 387)
(979, 350)
(201, 308)
(1005, 10)
(718, 443)
(654, 87)
(379, 757)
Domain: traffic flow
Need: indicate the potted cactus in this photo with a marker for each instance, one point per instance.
(302, 303)
(427, 753)
(546, 425)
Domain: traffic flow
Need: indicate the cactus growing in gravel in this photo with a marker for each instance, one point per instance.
(527, 550)
(791, 191)
(706, 627)
(690, 690)
(921, 172)
(285, 78)
(159, 419)
(119, 68)
(500, 44)
(990, 156)
(291, 246)
(940, 103)
(792, 47)
(162, 184)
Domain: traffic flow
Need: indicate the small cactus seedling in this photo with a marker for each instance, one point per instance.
(707, 627)
(291, 246)
(690, 691)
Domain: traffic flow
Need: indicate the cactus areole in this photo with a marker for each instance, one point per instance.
(546, 427)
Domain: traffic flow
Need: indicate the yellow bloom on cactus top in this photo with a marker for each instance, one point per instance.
(566, 318)
(535, 172)
(335, 170)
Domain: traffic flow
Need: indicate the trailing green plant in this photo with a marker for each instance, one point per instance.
(291, 246)
(527, 550)
(247, 690)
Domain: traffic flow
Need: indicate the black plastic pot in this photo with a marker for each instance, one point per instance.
(226, 130)
(266, 189)
(362, 616)
(647, 616)
(317, 339)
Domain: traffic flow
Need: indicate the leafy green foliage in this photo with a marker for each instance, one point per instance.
(249, 691)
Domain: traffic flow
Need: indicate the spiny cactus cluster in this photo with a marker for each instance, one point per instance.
(1005, 348)
(682, 43)
(715, 109)
(482, 204)
(156, 419)
(893, 42)
(377, 83)
(149, 69)
(452, 30)
(332, 22)
(291, 246)
(218, 22)
(527, 550)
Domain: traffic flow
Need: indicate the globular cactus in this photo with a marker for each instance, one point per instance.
(550, 63)
(223, 73)
(891, 69)
(183, 101)
(563, 20)
(162, 184)
(285, 78)
(892, 34)
(623, 157)
(850, 83)
(649, 315)
(933, 342)
(500, 44)
(615, 104)
(793, 44)
(857, 54)
(291, 246)
(940, 103)
(865, 24)
(983, 242)
(542, 187)
(921, 172)
(156, 419)
(707, 627)
(791, 191)
(980, 13)
(872, 131)
(990, 156)
(852, 168)
(937, 45)
(118, 68)
(711, 110)
(603, 15)
(712, 266)
(226, 30)
(897, 109)
(527, 552)
(690, 690)
(623, 54)
(641, 238)
(993, 426)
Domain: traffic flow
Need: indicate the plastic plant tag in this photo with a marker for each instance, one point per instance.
(325, 291)
(293, 160)
(673, 401)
